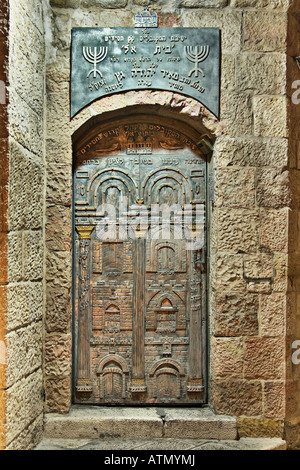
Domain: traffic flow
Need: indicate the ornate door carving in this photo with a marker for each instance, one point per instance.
(139, 266)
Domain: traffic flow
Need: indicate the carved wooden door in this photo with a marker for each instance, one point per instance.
(139, 266)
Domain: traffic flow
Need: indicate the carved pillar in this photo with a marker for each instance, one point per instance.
(83, 381)
(138, 357)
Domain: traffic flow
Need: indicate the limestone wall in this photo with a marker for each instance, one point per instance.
(25, 289)
(253, 264)
(4, 15)
(249, 232)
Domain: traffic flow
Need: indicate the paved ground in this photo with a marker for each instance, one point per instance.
(188, 445)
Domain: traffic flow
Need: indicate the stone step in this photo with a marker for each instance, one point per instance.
(92, 422)
(189, 446)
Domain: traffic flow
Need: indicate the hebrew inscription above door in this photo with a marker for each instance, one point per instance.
(139, 266)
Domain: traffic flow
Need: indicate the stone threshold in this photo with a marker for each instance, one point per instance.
(149, 428)
(163, 444)
(94, 422)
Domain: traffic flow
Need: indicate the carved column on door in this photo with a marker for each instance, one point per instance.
(83, 380)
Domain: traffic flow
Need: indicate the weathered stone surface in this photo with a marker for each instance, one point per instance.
(272, 188)
(264, 358)
(29, 437)
(25, 190)
(236, 188)
(274, 403)
(260, 427)
(284, 4)
(274, 230)
(272, 315)
(270, 119)
(262, 73)
(58, 356)
(227, 357)
(229, 273)
(59, 268)
(105, 3)
(15, 256)
(236, 114)
(24, 405)
(33, 255)
(281, 273)
(58, 395)
(237, 230)
(264, 31)
(202, 3)
(24, 352)
(236, 314)
(258, 266)
(59, 181)
(229, 21)
(65, 3)
(251, 152)
(58, 230)
(58, 309)
(25, 304)
(237, 397)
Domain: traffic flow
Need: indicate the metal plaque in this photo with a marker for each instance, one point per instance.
(112, 60)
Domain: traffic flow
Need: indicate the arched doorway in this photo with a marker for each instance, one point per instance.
(140, 207)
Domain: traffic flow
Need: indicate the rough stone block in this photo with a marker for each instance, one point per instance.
(15, 256)
(24, 352)
(59, 264)
(258, 427)
(59, 184)
(236, 314)
(272, 315)
(251, 152)
(58, 356)
(274, 4)
(33, 255)
(236, 113)
(202, 3)
(274, 399)
(238, 230)
(258, 266)
(229, 273)
(58, 395)
(262, 73)
(227, 357)
(25, 304)
(229, 21)
(235, 188)
(264, 358)
(274, 230)
(264, 31)
(272, 189)
(58, 228)
(58, 309)
(270, 116)
(26, 187)
(24, 404)
(237, 397)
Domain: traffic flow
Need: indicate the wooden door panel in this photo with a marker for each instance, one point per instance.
(139, 282)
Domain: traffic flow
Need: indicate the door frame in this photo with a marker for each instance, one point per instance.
(82, 137)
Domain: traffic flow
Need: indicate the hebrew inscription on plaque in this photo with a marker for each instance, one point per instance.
(112, 60)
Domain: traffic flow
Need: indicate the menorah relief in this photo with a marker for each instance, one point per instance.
(94, 57)
(197, 55)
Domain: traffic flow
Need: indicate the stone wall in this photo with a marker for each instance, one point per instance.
(292, 424)
(25, 289)
(250, 216)
(4, 15)
(254, 280)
